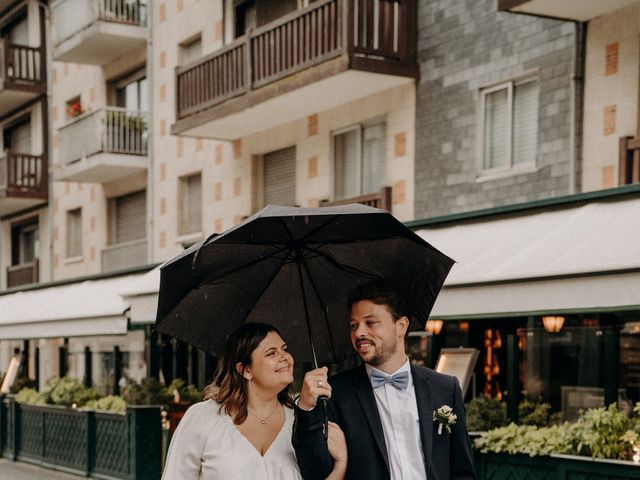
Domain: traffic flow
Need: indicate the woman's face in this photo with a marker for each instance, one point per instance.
(271, 364)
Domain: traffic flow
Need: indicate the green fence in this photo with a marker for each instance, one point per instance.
(502, 466)
(97, 444)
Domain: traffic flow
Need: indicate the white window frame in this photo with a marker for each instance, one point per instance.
(359, 129)
(510, 167)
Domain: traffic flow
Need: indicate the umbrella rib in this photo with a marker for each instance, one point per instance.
(343, 266)
(324, 308)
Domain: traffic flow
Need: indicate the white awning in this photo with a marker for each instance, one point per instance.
(142, 297)
(573, 258)
(91, 307)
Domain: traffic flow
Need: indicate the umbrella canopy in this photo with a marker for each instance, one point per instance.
(294, 268)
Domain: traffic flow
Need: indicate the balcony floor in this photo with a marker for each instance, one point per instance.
(12, 98)
(102, 168)
(9, 204)
(101, 43)
(290, 99)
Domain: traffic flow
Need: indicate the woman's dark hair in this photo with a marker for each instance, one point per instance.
(380, 292)
(229, 388)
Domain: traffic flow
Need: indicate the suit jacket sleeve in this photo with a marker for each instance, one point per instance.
(460, 459)
(312, 453)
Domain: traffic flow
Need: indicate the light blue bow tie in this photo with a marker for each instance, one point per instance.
(399, 380)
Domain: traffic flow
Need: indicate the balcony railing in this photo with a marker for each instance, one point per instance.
(108, 130)
(73, 16)
(23, 67)
(377, 35)
(381, 199)
(23, 175)
(124, 255)
(23, 274)
(629, 165)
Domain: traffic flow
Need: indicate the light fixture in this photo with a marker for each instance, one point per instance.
(434, 326)
(553, 324)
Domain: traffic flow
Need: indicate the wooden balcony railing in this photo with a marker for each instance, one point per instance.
(378, 35)
(381, 199)
(23, 175)
(23, 274)
(23, 67)
(629, 164)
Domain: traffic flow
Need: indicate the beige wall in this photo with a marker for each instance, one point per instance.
(611, 94)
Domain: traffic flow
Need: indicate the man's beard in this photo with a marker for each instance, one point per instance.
(382, 354)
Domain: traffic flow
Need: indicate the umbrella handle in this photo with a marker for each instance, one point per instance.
(325, 426)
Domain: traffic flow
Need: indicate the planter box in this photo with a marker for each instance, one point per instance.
(94, 444)
(494, 466)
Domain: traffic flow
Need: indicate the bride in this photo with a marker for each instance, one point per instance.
(243, 428)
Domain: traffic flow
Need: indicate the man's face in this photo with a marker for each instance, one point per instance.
(375, 335)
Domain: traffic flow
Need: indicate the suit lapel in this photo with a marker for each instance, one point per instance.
(425, 410)
(370, 410)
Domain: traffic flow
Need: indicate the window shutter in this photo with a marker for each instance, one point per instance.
(280, 177)
(525, 123)
(346, 152)
(193, 51)
(374, 156)
(496, 129)
(131, 217)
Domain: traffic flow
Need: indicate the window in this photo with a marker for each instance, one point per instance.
(130, 92)
(191, 51)
(248, 14)
(17, 30)
(128, 218)
(510, 125)
(280, 177)
(17, 135)
(24, 242)
(190, 209)
(74, 233)
(359, 160)
(74, 107)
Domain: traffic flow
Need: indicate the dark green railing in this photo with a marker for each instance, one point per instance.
(499, 466)
(96, 444)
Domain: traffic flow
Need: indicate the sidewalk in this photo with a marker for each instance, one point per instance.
(23, 471)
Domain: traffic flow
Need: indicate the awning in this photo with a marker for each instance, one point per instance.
(91, 307)
(142, 297)
(576, 258)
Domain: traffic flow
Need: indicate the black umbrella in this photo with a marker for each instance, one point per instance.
(293, 268)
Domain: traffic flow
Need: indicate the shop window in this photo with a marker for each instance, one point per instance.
(509, 125)
(359, 158)
(74, 233)
(190, 207)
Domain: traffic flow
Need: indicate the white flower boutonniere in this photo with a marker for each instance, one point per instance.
(445, 418)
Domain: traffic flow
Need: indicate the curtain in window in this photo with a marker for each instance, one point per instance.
(346, 157)
(525, 123)
(496, 129)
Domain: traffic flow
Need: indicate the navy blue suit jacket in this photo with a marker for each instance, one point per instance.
(447, 456)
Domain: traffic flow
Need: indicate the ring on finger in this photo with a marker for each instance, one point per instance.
(320, 383)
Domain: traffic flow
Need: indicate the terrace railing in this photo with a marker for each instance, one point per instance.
(23, 67)
(23, 175)
(378, 30)
(73, 16)
(22, 274)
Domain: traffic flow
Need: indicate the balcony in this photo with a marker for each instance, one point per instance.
(324, 56)
(23, 181)
(22, 75)
(629, 164)
(124, 255)
(579, 10)
(103, 145)
(23, 274)
(381, 199)
(98, 31)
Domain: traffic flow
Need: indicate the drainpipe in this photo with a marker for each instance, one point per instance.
(150, 192)
(576, 106)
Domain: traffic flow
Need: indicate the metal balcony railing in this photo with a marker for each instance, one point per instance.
(108, 130)
(73, 16)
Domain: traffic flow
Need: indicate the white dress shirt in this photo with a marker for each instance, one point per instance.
(398, 411)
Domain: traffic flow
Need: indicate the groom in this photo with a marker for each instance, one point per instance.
(386, 407)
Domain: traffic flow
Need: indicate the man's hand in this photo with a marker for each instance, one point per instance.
(315, 384)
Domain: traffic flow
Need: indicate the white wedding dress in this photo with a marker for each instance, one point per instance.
(207, 446)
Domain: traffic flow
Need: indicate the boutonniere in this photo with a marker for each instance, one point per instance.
(445, 418)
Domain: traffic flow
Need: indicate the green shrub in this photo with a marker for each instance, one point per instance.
(109, 403)
(485, 413)
(68, 391)
(147, 392)
(534, 413)
(21, 383)
(187, 393)
(29, 396)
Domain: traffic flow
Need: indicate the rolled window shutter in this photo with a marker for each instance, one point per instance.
(280, 177)
(131, 217)
(496, 133)
(193, 51)
(525, 123)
